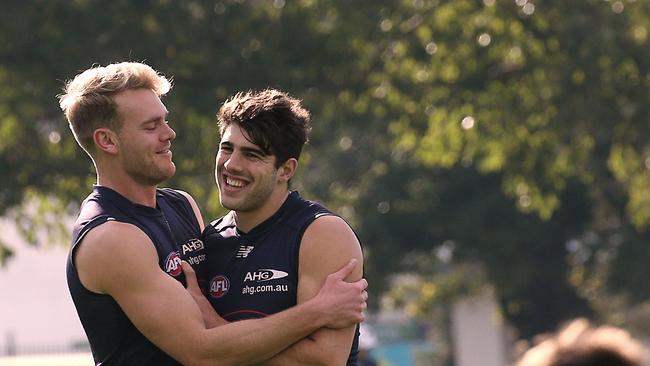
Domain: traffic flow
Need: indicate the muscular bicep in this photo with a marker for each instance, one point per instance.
(119, 260)
(328, 243)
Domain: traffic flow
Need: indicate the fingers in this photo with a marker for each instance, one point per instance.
(363, 283)
(364, 306)
(345, 270)
(187, 269)
(364, 297)
(190, 275)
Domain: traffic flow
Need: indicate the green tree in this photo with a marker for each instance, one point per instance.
(513, 129)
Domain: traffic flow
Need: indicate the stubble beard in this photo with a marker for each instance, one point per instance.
(150, 174)
(253, 200)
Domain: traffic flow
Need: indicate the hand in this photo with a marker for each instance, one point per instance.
(343, 302)
(210, 317)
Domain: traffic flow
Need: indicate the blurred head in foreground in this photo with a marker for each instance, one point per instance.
(580, 344)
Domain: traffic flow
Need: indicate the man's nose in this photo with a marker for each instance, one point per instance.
(169, 134)
(233, 163)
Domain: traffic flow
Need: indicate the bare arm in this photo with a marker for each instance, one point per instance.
(327, 243)
(213, 319)
(118, 259)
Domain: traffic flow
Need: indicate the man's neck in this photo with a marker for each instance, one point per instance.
(137, 193)
(247, 221)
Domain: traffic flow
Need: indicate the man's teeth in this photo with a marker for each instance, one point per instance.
(234, 182)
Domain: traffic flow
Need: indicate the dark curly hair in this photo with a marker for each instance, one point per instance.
(273, 120)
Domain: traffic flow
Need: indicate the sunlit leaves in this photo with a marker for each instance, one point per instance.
(513, 92)
(631, 168)
(443, 140)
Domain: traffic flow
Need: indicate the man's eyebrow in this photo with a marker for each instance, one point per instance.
(246, 149)
(254, 150)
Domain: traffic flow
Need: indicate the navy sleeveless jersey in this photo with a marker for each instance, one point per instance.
(255, 274)
(176, 234)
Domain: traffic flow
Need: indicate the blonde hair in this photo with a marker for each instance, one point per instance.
(88, 102)
(580, 344)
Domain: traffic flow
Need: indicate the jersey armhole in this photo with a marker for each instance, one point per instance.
(99, 220)
(188, 207)
(301, 234)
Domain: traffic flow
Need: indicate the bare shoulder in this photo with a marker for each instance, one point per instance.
(332, 230)
(111, 236)
(195, 207)
(328, 244)
(111, 251)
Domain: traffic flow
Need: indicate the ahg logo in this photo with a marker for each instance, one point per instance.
(219, 286)
(173, 264)
(262, 275)
(192, 245)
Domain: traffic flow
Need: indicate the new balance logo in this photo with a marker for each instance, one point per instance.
(244, 251)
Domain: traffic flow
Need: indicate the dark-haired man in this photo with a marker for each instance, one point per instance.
(274, 249)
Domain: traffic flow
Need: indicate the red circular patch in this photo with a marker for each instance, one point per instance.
(173, 264)
(219, 286)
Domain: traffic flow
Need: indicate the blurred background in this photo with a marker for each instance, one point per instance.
(492, 155)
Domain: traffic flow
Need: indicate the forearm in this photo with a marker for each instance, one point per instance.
(338, 305)
(324, 347)
(304, 352)
(250, 342)
(187, 338)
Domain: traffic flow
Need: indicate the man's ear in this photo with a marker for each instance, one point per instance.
(106, 140)
(287, 169)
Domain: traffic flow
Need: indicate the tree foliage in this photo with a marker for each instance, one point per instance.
(516, 130)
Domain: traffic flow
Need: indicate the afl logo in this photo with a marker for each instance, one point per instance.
(173, 264)
(219, 286)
